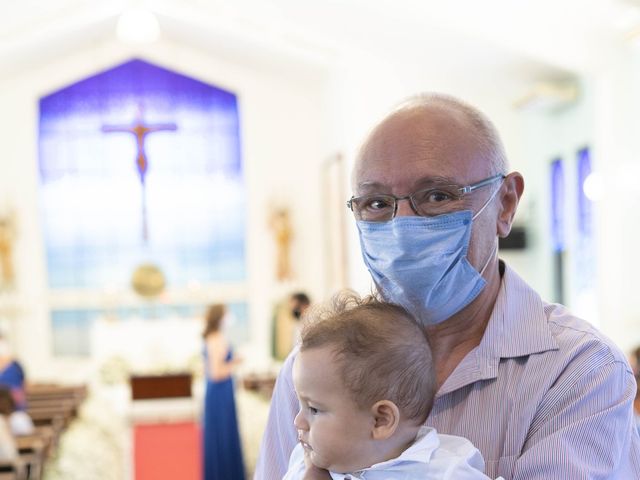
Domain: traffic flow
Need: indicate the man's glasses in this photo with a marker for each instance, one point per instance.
(429, 202)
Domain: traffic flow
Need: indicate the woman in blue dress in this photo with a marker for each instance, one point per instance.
(222, 452)
(12, 375)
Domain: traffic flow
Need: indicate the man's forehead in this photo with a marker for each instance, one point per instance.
(426, 181)
(453, 161)
(417, 139)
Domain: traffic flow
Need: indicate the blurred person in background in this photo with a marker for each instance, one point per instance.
(222, 451)
(299, 303)
(636, 403)
(635, 360)
(8, 448)
(12, 374)
(18, 421)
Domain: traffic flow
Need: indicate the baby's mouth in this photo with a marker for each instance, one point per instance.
(304, 444)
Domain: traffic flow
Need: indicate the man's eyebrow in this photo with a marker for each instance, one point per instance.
(418, 184)
(371, 186)
(436, 180)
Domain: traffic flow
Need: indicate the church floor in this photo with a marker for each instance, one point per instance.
(98, 445)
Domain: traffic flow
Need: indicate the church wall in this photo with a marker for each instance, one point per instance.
(603, 119)
(550, 134)
(283, 140)
(617, 149)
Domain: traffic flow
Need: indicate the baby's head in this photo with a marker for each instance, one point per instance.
(365, 381)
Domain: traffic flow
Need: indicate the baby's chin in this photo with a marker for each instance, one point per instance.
(333, 466)
(321, 462)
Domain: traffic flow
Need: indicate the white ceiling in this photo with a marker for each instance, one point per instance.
(527, 39)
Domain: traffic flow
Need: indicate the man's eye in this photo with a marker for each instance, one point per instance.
(438, 196)
(434, 196)
(378, 203)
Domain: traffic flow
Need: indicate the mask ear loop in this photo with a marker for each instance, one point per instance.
(493, 252)
(493, 195)
(495, 248)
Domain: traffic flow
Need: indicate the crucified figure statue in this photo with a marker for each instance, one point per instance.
(140, 130)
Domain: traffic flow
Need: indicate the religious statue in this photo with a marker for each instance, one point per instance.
(140, 130)
(7, 238)
(280, 224)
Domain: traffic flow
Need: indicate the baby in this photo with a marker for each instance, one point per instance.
(365, 383)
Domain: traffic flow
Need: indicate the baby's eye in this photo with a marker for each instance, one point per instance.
(313, 410)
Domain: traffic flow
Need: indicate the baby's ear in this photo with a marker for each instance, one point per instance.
(386, 419)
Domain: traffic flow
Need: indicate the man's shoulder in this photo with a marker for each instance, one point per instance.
(553, 324)
(578, 337)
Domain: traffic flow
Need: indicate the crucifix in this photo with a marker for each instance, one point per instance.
(140, 130)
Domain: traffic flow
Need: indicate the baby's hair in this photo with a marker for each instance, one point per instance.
(381, 350)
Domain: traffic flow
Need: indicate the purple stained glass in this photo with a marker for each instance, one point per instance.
(557, 205)
(585, 206)
(101, 220)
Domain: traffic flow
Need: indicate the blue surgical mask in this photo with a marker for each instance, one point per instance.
(421, 262)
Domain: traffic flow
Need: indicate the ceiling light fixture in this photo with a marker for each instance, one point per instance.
(138, 26)
(548, 96)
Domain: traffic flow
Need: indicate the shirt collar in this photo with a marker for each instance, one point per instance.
(517, 327)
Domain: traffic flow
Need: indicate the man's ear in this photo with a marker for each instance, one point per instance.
(386, 419)
(512, 189)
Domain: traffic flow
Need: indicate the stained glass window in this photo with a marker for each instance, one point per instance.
(586, 258)
(558, 227)
(139, 165)
(102, 218)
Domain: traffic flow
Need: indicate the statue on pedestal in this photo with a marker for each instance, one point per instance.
(280, 224)
(7, 240)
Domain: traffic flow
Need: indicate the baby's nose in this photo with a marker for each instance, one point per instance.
(299, 422)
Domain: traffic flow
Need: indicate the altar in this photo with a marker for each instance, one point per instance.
(170, 385)
(156, 368)
(149, 346)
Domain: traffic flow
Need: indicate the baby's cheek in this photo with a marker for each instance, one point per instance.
(318, 460)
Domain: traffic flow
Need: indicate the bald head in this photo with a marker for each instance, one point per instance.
(429, 124)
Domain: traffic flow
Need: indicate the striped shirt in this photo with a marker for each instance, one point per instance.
(544, 396)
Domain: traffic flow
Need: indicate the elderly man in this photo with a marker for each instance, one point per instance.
(541, 393)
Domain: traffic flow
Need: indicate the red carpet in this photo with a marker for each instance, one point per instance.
(168, 451)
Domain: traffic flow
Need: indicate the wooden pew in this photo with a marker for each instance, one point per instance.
(40, 392)
(50, 414)
(13, 471)
(52, 408)
(32, 450)
(46, 403)
(263, 383)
